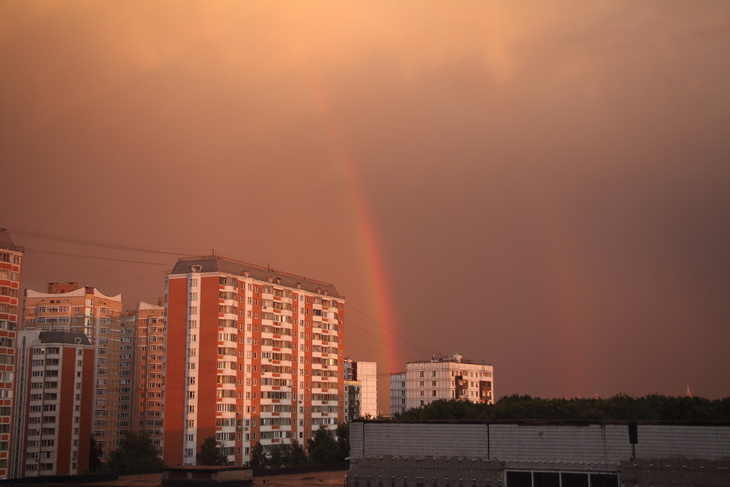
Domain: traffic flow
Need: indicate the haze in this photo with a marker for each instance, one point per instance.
(544, 186)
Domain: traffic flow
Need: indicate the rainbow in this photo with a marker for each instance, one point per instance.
(566, 292)
(371, 260)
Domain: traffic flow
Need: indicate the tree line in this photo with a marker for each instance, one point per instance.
(655, 407)
(136, 452)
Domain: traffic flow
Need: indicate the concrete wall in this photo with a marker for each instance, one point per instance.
(478, 453)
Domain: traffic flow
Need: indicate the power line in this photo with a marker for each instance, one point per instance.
(391, 332)
(97, 243)
(65, 254)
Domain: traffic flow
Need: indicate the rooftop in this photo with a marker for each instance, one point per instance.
(7, 243)
(224, 265)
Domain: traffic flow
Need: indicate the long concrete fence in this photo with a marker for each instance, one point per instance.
(491, 453)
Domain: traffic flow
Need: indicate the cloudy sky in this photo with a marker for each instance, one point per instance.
(543, 186)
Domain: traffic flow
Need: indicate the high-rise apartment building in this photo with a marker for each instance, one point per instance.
(11, 262)
(150, 370)
(253, 355)
(127, 384)
(448, 378)
(69, 321)
(56, 379)
(367, 374)
(397, 393)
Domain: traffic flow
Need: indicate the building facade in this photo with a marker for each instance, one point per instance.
(91, 383)
(366, 373)
(57, 373)
(11, 263)
(448, 378)
(353, 389)
(254, 355)
(397, 393)
(149, 370)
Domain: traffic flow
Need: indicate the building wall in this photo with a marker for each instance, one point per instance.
(11, 262)
(253, 355)
(397, 393)
(149, 373)
(366, 373)
(487, 451)
(57, 409)
(67, 308)
(446, 379)
(352, 399)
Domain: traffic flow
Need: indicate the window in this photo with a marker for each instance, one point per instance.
(525, 478)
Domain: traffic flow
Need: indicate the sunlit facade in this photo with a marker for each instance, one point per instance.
(366, 373)
(448, 378)
(149, 371)
(11, 263)
(56, 381)
(68, 307)
(253, 355)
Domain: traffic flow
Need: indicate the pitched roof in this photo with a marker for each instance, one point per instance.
(7, 243)
(258, 272)
(63, 337)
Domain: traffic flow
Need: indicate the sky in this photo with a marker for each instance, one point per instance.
(541, 186)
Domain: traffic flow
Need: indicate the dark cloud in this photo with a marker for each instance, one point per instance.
(548, 183)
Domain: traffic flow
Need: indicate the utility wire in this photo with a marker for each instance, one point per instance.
(65, 254)
(399, 337)
(96, 243)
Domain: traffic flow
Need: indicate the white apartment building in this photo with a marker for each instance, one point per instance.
(448, 378)
(367, 374)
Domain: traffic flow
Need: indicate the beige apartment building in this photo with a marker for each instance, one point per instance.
(448, 378)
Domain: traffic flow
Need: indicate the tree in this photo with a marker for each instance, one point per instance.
(323, 448)
(135, 452)
(258, 456)
(95, 455)
(343, 442)
(298, 456)
(210, 454)
(655, 407)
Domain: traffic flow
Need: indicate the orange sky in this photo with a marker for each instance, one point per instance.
(547, 184)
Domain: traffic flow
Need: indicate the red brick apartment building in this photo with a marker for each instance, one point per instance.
(11, 261)
(253, 355)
